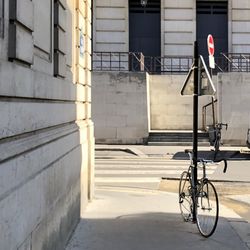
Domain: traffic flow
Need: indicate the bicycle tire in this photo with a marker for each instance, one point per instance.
(185, 199)
(207, 209)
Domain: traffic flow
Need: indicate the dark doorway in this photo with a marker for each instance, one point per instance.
(145, 28)
(212, 18)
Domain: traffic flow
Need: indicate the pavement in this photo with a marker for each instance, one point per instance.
(134, 219)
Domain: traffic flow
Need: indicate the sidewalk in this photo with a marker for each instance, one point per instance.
(128, 219)
(135, 219)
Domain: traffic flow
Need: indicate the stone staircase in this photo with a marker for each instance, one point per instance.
(177, 138)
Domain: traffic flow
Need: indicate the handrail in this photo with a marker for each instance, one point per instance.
(204, 113)
(231, 61)
(136, 61)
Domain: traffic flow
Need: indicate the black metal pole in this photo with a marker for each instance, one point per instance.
(195, 120)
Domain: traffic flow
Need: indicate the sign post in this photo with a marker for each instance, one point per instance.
(210, 47)
(195, 118)
(197, 83)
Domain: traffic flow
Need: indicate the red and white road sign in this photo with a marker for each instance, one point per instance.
(210, 45)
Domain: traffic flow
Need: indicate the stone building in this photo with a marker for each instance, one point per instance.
(157, 37)
(46, 140)
(169, 27)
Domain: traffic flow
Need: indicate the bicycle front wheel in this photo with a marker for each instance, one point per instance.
(207, 210)
(185, 199)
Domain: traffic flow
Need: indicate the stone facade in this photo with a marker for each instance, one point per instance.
(120, 107)
(178, 26)
(47, 142)
(233, 106)
(168, 109)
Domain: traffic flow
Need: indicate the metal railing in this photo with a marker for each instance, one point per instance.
(171, 64)
(118, 61)
(204, 113)
(233, 62)
(136, 61)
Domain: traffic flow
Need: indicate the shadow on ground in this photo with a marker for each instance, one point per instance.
(231, 155)
(150, 231)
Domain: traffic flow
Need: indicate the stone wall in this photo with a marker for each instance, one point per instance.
(233, 108)
(178, 26)
(168, 109)
(178, 22)
(119, 107)
(110, 30)
(239, 26)
(46, 141)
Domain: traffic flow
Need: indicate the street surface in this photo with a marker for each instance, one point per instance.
(134, 208)
(139, 219)
(145, 166)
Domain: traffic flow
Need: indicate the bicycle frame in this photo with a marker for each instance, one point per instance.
(194, 186)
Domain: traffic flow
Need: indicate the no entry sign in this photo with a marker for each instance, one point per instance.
(210, 45)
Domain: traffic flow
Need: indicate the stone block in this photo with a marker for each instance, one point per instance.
(80, 5)
(20, 44)
(60, 40)
(81, 75)
(241, 49)
(179, 26)
(179, 14)
(175, 38)
(179, 4)
(241, 4)
(116, 121)
(22, 117)
(42, 25)
(240, 38)
(111, 13)
(118, 25)
(59, 64)
(178, 50)
(110, 47)
(240, 14)
(60, 16)
(131, 132)
(105, 132)
(110, 37)
(240, 27)
(23, 12)
(113, 3)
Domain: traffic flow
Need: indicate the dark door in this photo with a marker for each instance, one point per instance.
(212, 19)
(145, 28)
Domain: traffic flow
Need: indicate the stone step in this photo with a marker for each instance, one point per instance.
(176, 137)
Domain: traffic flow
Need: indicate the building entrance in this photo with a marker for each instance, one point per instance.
(212, 18)
(145, 27)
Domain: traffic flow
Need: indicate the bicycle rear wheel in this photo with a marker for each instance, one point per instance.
(207, 210)
(185, 199)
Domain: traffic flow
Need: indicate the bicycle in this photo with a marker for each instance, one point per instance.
(217, 137)
(199, 201)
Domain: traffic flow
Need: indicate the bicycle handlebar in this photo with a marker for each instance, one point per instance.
(225, 166)
(222, 124)
(190, 153)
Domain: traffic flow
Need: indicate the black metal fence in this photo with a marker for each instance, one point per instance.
(136, 61)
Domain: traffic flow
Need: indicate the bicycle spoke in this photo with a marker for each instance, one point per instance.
(207, 209)
(185, 200)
